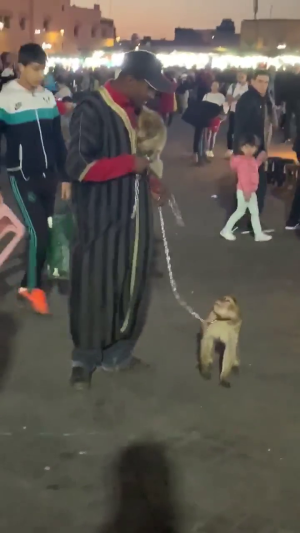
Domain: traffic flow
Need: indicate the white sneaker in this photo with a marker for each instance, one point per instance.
(210, 154)
(228, 235)
(291, 228)
(248, 231)
(228, 154)
(262, 237)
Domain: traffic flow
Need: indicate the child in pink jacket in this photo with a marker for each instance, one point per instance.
(246, 167)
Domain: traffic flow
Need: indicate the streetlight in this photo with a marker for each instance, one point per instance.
(255, 8)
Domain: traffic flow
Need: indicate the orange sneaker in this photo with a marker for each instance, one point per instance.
(36, 299)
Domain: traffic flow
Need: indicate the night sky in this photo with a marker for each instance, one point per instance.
(158, 18)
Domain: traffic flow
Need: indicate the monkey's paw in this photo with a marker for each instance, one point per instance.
(224, 383)
(205, 371)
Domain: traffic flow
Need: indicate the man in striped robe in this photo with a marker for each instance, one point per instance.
(113, 220)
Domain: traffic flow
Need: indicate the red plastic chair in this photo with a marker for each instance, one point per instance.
(9, 223)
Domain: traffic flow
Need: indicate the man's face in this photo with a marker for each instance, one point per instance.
(140, 92)
(241, 78)
(69, 107)
(260, 83)
(215, 87)
(33, 74)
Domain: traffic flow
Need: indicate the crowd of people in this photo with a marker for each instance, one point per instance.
(254, 105)
(94, 156)
(212, 85)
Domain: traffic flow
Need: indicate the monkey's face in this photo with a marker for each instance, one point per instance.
(227, 308)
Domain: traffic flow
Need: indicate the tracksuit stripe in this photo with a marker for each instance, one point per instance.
(32, 256)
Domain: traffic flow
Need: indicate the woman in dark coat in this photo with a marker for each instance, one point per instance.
(199, 115)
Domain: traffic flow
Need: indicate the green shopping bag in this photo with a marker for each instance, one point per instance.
(61, 234)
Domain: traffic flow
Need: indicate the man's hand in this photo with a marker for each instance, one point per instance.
(141, 164)
(65, 191)
(263, 156)
(247, 196)
(159, 191)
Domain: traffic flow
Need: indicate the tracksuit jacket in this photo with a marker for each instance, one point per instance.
(31, 124)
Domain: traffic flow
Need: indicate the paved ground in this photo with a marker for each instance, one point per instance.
(163, 448)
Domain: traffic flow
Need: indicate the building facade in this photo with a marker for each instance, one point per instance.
(267, 35)
(223, 35)
(54, 24)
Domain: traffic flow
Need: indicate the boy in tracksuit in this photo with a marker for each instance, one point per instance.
(35, 159)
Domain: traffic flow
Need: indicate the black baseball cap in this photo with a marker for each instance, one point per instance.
(143, 65)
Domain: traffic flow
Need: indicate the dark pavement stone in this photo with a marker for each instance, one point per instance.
(162, 450)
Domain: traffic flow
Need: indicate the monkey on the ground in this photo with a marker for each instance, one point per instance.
(221, 326)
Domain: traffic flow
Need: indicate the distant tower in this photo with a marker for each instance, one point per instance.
(135, 41)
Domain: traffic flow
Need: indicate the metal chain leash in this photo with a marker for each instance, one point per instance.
(179, 299)
(179, 220)
(136, 196)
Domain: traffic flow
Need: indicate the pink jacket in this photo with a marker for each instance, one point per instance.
(246, 169)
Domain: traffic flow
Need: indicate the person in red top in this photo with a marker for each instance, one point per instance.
(113, 219)
(246, 167)
(61, 106)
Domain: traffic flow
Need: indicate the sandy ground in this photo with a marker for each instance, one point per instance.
(162, 450)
